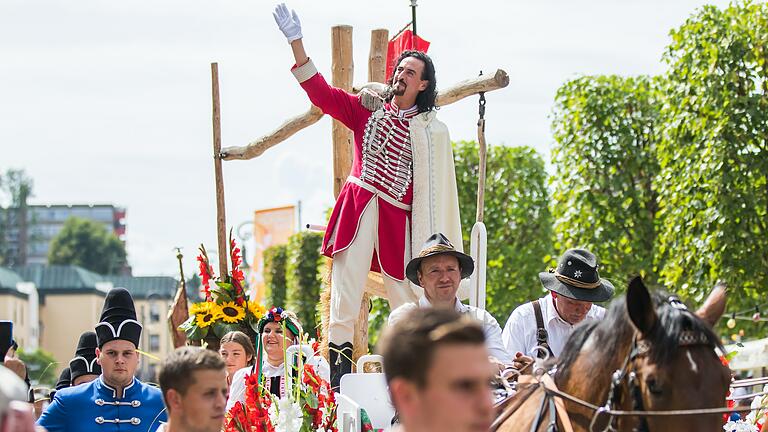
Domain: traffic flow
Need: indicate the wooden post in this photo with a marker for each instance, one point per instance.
(342, 69)
(221, 219)
(377, 58)
(481, 170)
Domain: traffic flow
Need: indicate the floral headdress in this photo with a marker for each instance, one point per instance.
(280, 315)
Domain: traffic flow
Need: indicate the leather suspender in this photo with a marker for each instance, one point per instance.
(542, 336)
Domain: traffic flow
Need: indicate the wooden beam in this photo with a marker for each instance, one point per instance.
(342, 68)
(377, 57)
(483, 83)
(455, 93)
(283, 132)
(221, 219)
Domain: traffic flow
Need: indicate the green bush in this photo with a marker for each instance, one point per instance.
(275, 260)
(41, 366)
(303, 277)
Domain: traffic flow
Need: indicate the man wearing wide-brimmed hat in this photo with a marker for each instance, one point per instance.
(573, 288)
(438, 269)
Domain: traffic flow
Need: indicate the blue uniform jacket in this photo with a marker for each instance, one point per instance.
(94, 407)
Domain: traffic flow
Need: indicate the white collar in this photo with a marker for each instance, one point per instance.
(403, 112)
(270, 371)
(553, 315)
(459, 306)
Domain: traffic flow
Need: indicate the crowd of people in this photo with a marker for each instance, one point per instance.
(439, 355)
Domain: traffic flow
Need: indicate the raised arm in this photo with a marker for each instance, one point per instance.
(336, 102)
(288, 22)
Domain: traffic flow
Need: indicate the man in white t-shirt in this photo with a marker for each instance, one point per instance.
(548, 322)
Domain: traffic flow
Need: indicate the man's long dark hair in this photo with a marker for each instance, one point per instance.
(425, 100)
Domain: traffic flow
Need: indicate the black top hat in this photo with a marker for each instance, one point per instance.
(438, 244)
(576, 277)
(118, 319)
(84, 362)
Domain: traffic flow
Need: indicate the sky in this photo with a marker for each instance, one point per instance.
(110, 102)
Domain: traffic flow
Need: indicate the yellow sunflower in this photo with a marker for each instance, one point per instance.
(256, 309)
(201, 307)
(231, 312)
(207, 317)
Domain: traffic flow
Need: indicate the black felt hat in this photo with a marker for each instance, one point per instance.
(438, 244)
(118, 319)
(65, 379)
(84, 362)
(576, 277)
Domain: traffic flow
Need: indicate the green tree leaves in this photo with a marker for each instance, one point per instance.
(89, 245)
(606, 128)
(517, 218)
(713, 153)
(667, 175)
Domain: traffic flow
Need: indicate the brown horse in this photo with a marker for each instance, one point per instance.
(665, 358)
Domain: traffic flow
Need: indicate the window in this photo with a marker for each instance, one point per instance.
(154, 342)
(154, 312)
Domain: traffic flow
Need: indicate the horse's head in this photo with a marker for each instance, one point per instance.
(672, 364)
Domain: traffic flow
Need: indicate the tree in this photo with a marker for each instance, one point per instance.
(303, 280)
(604, 199)
(16, 187)
(89, 245)
(517, 218)
(275, 259)
(713, 154)
(41, 366)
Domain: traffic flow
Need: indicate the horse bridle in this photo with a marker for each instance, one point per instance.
(640, 348)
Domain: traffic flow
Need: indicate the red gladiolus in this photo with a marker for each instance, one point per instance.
(206, 273)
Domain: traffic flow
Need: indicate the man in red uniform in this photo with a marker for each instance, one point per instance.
(401, 189)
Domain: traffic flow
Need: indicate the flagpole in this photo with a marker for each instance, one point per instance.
(413, 23)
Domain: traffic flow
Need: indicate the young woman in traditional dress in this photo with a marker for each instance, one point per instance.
(272, 346)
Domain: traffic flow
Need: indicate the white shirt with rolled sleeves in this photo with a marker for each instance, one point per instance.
(520, 331)
(491, 327)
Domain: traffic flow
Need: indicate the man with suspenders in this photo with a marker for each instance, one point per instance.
(547, 322)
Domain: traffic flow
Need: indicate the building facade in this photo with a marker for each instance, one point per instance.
(28, 237)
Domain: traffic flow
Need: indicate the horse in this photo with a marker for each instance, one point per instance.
(648, 353)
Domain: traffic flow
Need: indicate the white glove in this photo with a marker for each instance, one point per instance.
(288, 22)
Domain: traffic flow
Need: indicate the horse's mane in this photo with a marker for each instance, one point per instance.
(616, 329)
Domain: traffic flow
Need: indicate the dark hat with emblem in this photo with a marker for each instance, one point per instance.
(438, 244)
(118, 319)
(84, 362)
(576, 277)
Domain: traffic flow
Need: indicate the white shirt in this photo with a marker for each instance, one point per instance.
(491, 327)
(237, 388)
(520, 331)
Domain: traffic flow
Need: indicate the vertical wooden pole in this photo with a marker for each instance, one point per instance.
(342, 69)
(377, 58)
(221, 219)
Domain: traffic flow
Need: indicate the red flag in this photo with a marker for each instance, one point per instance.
(403, 42)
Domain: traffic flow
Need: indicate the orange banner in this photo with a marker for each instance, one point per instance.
(270, 227)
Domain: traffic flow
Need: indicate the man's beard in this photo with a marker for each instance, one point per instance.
(395, 90)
